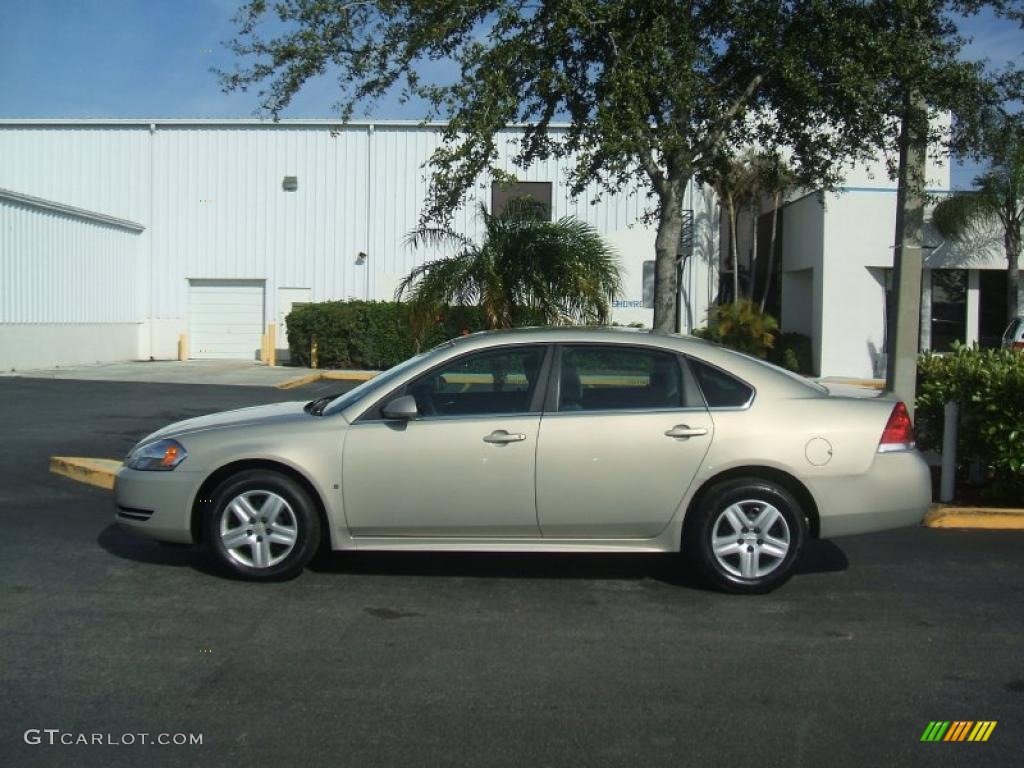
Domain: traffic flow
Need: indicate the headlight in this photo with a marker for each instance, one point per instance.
(161, 455)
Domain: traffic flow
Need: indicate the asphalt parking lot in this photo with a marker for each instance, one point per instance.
(415, 660)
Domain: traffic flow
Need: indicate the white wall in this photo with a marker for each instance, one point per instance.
(25, 346)
(859, 228)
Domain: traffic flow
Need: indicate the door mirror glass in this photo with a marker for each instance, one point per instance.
(403, 407)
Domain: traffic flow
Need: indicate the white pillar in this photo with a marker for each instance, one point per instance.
(973, 303)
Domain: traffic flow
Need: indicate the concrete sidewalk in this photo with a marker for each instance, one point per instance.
(230, 372)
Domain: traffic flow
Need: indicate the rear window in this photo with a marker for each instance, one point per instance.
(720, 389)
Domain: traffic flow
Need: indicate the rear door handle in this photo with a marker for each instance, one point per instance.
(685, 431)
(500, 436)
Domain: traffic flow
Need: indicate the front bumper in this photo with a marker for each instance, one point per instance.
(157, 505)
(895, 492)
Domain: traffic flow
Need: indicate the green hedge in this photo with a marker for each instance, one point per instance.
(375, 335)
(989, 385)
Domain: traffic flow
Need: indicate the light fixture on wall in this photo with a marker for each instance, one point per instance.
(290, 183)
(360, 259)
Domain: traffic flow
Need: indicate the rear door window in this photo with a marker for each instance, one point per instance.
(607, 378)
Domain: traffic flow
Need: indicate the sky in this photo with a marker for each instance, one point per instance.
(152, 58)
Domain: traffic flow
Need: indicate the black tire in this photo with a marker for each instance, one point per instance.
(712, 519)
(297, 519)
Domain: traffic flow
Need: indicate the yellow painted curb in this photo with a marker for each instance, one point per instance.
(311, 378)
(988, 518)
(98, 472)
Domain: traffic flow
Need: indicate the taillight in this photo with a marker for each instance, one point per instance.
(898, 434)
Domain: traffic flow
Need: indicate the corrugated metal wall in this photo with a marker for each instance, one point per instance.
(210, 195)
(56, 268)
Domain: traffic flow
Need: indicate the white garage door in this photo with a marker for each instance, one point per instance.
(225, 319)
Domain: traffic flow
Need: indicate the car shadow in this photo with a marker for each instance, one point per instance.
(818, 557)
(141, 550)
(822, 556)
(507, 565)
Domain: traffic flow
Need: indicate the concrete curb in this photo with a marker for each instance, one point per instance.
(311, 378)
(981, 518)
(98, 472)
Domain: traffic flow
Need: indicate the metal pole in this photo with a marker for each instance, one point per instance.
(949, 429)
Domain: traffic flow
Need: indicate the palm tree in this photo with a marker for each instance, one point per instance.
(998, 198)
(561, 269)
(778, 180)
(728, 180)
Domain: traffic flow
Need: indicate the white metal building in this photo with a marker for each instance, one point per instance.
(118, 236)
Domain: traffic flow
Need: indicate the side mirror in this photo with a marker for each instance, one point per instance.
(403, 408)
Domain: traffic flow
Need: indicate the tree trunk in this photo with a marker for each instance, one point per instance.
(666, 248)
(771, 249)
(752, 268)
(1014, 294)
(905, 321)
(734, 249)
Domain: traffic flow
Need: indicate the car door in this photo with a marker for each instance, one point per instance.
(622, 437)
(465, 466)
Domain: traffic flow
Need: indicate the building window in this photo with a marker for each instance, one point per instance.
(949, 308)
(538, 192)
(648, 281)
(992, 319)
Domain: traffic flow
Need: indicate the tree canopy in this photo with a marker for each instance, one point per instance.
(561, 270)
(998, 199)
(651, 89)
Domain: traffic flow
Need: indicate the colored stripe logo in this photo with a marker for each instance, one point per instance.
(958, 730)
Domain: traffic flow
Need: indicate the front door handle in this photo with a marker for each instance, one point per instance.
(500, 437)
(685, 431)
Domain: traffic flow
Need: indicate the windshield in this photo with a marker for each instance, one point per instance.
(381, 382)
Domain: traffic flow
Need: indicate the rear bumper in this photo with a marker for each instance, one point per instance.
(157, 505)
(895, 492)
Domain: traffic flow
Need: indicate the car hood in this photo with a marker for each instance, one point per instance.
(260, 414)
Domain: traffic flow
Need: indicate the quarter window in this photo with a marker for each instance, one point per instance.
(499, 381)
(720, 389)
(617, 378)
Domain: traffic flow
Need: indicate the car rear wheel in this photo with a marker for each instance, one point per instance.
(263, 526)
(746, 535)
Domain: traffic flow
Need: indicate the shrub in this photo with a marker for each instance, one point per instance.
(375, 334)
(740, 326)
(989, 385)
(793, 351)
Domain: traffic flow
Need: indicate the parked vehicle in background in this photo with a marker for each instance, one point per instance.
(1013, 336)
(534, 440)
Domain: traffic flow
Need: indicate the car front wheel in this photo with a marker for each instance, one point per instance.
(263, 526)
(746, 535)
